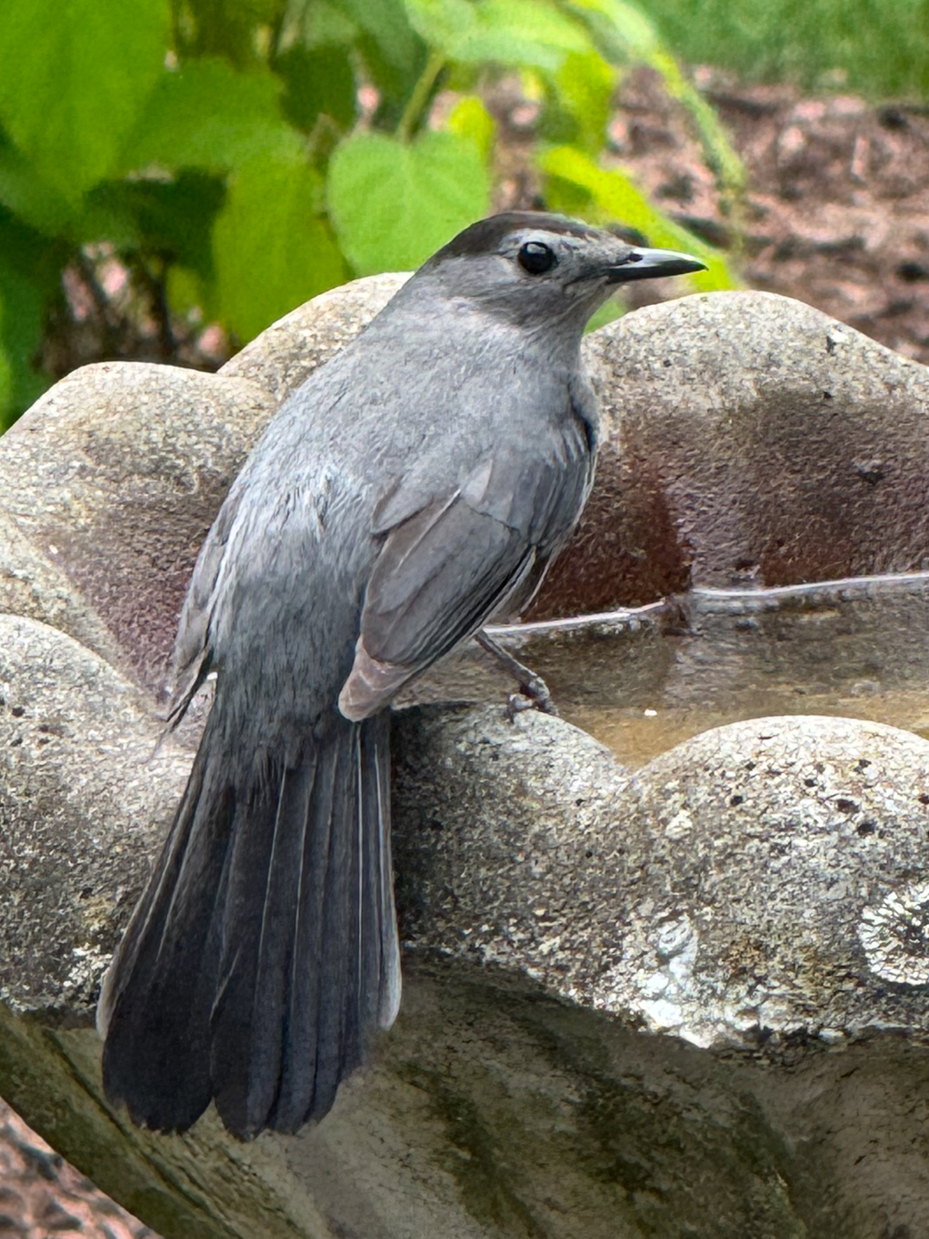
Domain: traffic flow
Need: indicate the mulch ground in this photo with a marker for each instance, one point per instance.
(41, 1195)
(836, 214)
(837, 208)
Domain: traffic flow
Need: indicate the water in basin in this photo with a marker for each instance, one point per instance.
(642, 680)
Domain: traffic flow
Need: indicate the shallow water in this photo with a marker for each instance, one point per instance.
(636, 736)
(644, 680)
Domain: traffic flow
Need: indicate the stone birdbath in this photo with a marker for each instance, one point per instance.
(667, 958)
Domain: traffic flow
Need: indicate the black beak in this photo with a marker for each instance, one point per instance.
(642, 264)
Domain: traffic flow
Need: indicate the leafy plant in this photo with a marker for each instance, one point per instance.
(218, 148)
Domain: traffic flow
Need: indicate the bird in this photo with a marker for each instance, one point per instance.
(416, 485)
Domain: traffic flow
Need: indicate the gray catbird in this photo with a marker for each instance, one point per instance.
(415, 485)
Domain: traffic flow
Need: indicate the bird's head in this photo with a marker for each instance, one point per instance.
(533, 270)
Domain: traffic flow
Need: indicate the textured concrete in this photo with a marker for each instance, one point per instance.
(783, 868)
(291, 349)
(115, 475)
(763, 878)
(32, 584)
(84, 804)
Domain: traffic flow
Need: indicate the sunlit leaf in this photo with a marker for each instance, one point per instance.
(74, 77)
(470, 119)
(585, 86)
(394, 203)
(565, 198)
(619, 198)
(522, 32)
(186, 290)
(623, 31)
(442, 23)
(510, 32)
(271, 248)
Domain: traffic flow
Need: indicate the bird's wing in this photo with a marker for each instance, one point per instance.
(444, 570)
(192, 651)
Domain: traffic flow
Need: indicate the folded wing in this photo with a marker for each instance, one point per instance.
(445, 569)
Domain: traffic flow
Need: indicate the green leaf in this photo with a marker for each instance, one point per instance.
(209, 115)
(585, 86)
(172, 219)
(319, 82)
(104, 214)
(623, 31)
(187, 292)
(316, 23)
(470, 119)
(26, 194)
(511, 32)
(8, 409)
(565, 198)
(28, 267)
(393, 85)
(615, 194)
(387, 23)
(107, 217)
(522, 32)
(271, 249)
(442, 23)
(75, 76)
(395, 203)
(607, 313)
(228, 28)
(23, 318)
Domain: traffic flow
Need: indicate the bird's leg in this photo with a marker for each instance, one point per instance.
(533, 691)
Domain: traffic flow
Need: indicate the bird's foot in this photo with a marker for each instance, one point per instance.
(533, 695)
(533, 691)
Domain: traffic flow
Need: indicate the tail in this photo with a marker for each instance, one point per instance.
(264, 951)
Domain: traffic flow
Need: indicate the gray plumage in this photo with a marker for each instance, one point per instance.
(414, 486)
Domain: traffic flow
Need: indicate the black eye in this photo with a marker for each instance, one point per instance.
(536, 258)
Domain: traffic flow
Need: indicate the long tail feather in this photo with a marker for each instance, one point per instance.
(264, 951)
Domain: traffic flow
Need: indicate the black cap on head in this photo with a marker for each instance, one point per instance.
(485, 236)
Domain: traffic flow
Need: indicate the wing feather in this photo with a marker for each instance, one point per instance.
(192, 646)
(443, 571)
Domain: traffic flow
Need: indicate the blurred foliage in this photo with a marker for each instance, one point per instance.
(216, 147)
(879, 48)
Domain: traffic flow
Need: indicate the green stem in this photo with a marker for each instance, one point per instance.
(420, 96)
(720, 154)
